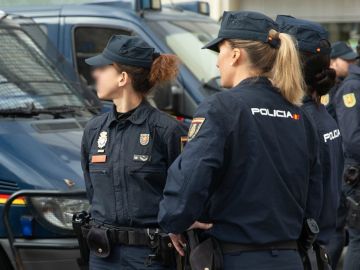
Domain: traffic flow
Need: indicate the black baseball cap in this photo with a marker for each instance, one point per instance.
(245, 25)
(127, 50)
(341, 50)
(308, 34)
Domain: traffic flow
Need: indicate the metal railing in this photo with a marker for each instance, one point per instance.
(30, 193)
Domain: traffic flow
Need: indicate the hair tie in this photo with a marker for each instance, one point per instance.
(274, 39)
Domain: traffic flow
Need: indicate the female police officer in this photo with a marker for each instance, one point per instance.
(252, 155)
(315, 53)
(126, 153)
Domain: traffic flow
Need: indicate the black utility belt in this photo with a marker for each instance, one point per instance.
(100, 240)
(234, 247)
(125, 235)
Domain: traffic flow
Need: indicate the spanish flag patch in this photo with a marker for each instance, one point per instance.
(195, 126)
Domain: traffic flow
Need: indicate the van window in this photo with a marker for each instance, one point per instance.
(185, 39)
(28, 78)
(90, 41)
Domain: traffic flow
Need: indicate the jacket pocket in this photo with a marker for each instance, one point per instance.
(145, 188)
(103, 202)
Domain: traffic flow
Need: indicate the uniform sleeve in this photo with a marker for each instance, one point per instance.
(173, 142)
(85, 165)
(314, 202)
(348, 116)
(190, 176)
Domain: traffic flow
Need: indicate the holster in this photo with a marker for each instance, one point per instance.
(80, 219)
(353, 217)
(307, 238)
(206, 254)
(99, 242)
(322, 258)
(166, 250)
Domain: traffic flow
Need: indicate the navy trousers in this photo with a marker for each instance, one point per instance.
(263, 260)
(126, 258)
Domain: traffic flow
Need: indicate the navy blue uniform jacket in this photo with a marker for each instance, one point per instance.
(126, 186)
(252, 168)
(347, 107)
(332, 163)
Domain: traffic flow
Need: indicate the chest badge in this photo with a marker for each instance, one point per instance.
(144, 139)
(349, 100)
(102, 140)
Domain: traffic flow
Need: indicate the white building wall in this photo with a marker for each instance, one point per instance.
(318, 10)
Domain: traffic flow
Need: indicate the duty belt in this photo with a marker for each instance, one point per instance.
(128, 236)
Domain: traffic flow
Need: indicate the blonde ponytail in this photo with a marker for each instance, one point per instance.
(286, 73)
(279, 60)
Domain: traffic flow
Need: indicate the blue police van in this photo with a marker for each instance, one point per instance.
(42, 115)
(82, 30)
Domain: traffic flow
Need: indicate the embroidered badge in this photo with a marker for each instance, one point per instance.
(325, 99)
(195, 126)
(102, 140)
(349, 100)
(144, 138)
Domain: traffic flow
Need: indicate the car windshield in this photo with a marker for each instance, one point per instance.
(28, 78)
(185, 39)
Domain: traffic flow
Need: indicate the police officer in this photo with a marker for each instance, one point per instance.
(347, 108)
(342, 56)
(125, 156)
(252, 156)
(312, 40)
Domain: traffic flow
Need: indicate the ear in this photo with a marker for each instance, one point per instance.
(236, 54)
(123, 78)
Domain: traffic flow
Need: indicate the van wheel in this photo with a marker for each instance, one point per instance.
(5, 262)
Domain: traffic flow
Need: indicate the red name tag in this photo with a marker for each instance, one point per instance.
(98, 158)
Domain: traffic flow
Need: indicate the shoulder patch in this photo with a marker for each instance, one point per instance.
(195, 126)
(349, 100)
(325, 99)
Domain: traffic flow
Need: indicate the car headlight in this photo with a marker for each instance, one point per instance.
(59, 211)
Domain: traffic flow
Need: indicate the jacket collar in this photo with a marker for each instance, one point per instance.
(354, 69)
(137, 117)
(255, 80)
(307, 99)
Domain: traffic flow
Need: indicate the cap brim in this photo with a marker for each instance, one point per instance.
(349, 56)
(98, 61)
(213, 45)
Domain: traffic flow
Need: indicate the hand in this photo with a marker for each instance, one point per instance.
(200, 225)
(178, 240)
(178, 243)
